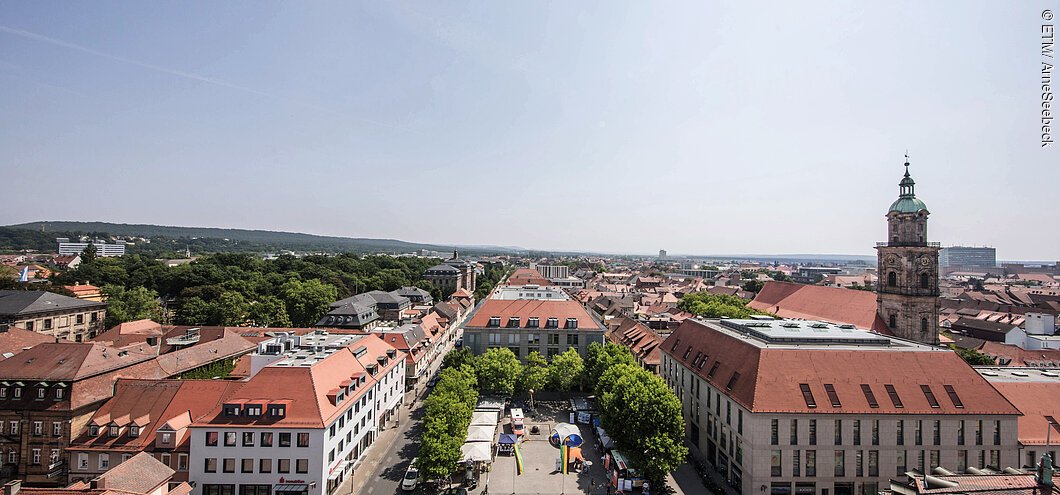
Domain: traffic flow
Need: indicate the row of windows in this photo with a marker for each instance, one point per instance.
(867, 463)
(38, 428)
(283, 439)
(874, 431)
(496, 339)
(228, 465)
(49, 323)
(36, 455)
(42, 393)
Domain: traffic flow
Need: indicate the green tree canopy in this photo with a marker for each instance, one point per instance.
(307, 301)
(643, 416)
(535, 373)
(497, 370)
(89, 253)
(269, 311)
(565, 370)
(973, 357)
(133, 304)
(599, 358)
(457, 358)
(709, 305)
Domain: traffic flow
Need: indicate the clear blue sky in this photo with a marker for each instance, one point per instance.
(721, 128)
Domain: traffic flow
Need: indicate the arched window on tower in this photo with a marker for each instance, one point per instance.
(893, 321)
(892, 279)
(923, 324)
(925, 281)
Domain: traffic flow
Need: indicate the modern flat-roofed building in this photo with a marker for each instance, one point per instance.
(525, 325)
(784, 406)
(539, 292)
(303, 422)
(967, 256)
(102, 248)
(551, 271)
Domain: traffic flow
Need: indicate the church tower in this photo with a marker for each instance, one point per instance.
(907, 293)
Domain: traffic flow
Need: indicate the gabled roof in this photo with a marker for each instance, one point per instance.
(305, 389)
(15, 340)
(141, 474)
(68, 361)
(814, 302)
(152, 403)
(23, 302)
(768, 378)
(1035, 400)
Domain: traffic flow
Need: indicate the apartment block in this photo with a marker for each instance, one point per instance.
(811, 407)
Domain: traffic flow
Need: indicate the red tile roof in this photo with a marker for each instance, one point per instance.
(814, 302)
(770, 377)
(305, 389)
(1011, 355)
(525, 308)
(16, 340)
(68, 361)
(1035, 400)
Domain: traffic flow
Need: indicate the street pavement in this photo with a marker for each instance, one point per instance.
(385, 462)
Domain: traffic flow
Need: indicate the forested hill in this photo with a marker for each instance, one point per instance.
(175, 238)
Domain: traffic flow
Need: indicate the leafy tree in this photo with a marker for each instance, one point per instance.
(535, 373)
(307, 301)
(709, 305)
(194, 311)
(459, 358)
(128, 305)
(439, 452)
(231, 309)
(599, 358)
(566, 370)
(643, 416)
(973, 357)
(497, 370)
(89, 253)
(752, 286)
(269, 311)
(458, 384)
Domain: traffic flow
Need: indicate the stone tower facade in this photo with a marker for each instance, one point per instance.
(907, 294)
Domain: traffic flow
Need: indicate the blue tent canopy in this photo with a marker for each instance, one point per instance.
(507, 438)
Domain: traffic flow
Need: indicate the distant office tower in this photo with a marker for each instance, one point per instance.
(981, 257)
(102, 248)
(662, 254)
(907, 296)
(553, 271)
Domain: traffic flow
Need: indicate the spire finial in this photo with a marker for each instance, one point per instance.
(907, 163)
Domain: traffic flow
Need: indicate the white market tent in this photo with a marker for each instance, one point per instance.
(485, 418)
(480, 433)
(476, 451)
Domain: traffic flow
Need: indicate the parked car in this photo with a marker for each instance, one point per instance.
(460, 342)
(433, 382)
(412, 477)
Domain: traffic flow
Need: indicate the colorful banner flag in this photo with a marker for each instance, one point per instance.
(518, 460)
(565, 456)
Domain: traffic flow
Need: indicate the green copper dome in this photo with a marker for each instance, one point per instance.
(907, 205)
(907, 201)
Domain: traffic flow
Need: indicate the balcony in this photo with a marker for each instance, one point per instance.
(909, 244)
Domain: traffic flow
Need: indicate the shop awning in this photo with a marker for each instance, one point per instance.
(477, 451)
(290, 488)
(480, 433)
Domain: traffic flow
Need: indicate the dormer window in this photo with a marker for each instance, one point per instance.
(572, 323)
(59, 394)
(253, 410)
(277, 410)
(113, 430)
(134, 431)
(513, 322)
(532, 322)
(231, 410)
(552, 323)
(93, 430)
(41, 392)
(495, 321)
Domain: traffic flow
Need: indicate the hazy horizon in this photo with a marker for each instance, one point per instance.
(591, 127)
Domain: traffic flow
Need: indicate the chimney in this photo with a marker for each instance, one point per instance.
(98, 483)
(12, 487)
